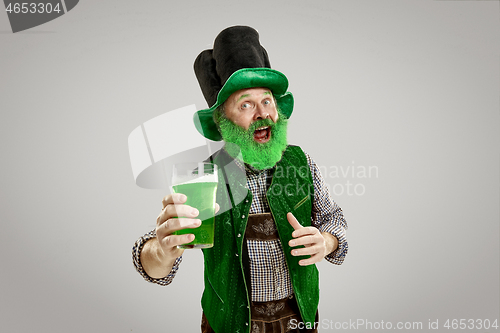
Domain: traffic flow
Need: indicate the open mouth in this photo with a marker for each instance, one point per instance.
(262, 134)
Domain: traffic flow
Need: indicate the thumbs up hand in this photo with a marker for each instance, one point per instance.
(316, 244)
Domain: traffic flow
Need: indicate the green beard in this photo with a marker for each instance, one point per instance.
(260, 156)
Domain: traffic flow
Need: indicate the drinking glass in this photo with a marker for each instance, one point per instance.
(198, 182)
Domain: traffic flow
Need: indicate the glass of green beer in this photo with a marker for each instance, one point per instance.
(198, 182)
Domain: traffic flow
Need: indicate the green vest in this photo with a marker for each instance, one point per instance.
(225, 300)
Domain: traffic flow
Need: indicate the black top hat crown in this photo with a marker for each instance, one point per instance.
(235, 48)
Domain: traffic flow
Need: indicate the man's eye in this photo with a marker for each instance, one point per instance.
(245, 105)
(267, 102)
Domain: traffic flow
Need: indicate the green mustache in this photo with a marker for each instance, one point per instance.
(260, 123)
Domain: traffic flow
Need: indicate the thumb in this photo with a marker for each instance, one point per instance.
(293, 221)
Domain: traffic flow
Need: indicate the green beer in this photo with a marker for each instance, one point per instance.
(200, 191)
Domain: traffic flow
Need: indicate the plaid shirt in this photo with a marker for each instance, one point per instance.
(269, 273)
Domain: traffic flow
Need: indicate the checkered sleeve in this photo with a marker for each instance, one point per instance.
(136, 257)
(327, 216)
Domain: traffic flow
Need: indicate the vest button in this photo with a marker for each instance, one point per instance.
(246, 324)
(236, 254)
(242, 216)
(239, 235)
(246, 200)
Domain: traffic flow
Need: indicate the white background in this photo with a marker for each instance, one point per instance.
(409, 87)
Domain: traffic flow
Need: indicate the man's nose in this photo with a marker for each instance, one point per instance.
(261, 113)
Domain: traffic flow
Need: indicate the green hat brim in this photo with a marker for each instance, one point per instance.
(243, 79)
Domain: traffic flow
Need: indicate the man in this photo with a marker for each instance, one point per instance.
(272, 226)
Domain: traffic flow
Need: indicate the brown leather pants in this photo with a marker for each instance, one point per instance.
(272, 317)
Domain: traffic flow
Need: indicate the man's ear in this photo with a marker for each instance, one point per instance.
(218, 114)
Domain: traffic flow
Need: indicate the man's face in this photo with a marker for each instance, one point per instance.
(246, 106)
(252, 125)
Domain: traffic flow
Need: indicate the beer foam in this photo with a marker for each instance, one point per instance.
(190, 180)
